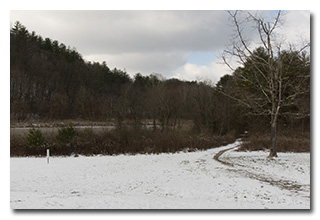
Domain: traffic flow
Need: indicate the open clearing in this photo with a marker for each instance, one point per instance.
(184, 180)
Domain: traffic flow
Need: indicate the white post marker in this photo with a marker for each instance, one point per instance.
(48, 155)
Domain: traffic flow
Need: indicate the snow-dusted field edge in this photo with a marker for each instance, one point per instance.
(166, 181)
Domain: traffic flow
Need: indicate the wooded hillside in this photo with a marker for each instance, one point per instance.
(49, 80)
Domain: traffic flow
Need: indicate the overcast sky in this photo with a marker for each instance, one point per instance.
(181, 44)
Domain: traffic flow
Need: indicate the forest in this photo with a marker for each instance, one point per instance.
(50, 81)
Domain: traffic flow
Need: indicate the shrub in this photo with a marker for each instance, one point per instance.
(35, 138)
(66, 135)
(125, 141)
(17, 146)
(288, 142)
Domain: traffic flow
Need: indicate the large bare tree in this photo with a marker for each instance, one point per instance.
(267, 73)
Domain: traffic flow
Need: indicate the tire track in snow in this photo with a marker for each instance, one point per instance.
(283, 184)
(216, 157)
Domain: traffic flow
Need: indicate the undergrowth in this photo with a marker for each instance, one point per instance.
(286, 142)
(124, 141)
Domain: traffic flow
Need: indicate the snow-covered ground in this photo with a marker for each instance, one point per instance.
(192, 180)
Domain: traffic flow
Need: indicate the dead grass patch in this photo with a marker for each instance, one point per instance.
(124, 141)
(287, 142)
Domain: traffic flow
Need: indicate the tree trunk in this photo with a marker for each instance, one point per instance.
(154, 123)
(273, 149)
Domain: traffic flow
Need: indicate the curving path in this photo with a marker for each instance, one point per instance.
(283, 184)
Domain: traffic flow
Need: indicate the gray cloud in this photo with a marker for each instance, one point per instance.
(140, 41)
(151, 62)
(130, 31)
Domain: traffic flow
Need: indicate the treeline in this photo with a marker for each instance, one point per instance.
(52, 81)
(49, 80)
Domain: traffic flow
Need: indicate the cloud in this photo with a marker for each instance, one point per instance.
(129, 31)
(211, 72)
(146, 63)
(150, 41)
(138, 41)
(295, 29)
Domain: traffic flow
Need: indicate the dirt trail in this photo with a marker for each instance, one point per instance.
(283, 184)
(216, 157)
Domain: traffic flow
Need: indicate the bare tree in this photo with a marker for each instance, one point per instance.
(267, 73)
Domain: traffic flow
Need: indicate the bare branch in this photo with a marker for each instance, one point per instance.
(232, 97)
(239, 31)
(227, 63)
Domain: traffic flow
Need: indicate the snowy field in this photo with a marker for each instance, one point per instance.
(194, 180)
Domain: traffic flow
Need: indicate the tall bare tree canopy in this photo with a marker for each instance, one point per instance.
(268, 81)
